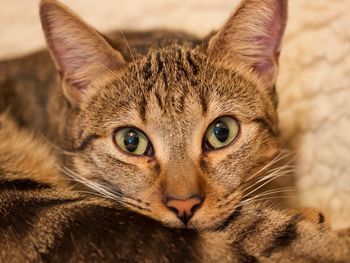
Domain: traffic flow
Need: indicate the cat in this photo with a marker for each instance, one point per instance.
(199, 128)
(173, 129)
(42, 221)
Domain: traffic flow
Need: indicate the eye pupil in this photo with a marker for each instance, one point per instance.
(131, 140)
(221, 131)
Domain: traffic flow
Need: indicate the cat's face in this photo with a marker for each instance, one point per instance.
(172, 98)
(174, 135)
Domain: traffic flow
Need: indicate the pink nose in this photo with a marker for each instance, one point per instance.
(184, 209)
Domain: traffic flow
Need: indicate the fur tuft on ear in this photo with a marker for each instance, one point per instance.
(252, 37)
(82, 56)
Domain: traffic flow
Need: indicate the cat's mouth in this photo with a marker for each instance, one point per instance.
(206, 219)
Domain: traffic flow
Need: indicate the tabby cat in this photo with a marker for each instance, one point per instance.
(144, 146)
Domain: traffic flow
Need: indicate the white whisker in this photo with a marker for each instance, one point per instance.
(102, 190)
(279, 157)
(271, 177)
(275, 174)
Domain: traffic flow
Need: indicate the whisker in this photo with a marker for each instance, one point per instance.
(267, 199)
(279, 157)
(89, 183)
(102, 190)
(281, 172)
(272, 192)
(277, 175)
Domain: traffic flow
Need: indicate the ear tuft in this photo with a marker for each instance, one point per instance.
(252, 37)
(81, 55)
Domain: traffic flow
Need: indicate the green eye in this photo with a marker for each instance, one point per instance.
(132, 141)
(221, 133)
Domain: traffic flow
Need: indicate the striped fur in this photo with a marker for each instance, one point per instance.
(170, 87)
(41, 222)
(68, 194)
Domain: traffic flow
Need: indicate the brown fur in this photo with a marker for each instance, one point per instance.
(43, 222)
(26, 156)
(172, 91)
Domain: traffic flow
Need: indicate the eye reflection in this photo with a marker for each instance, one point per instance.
(133, 141)
(221, 133)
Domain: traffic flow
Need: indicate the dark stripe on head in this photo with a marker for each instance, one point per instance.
(142, 108)
(165, 79)
(180, 64)
(147, 69)
(160, 63)
(181, 106)
(159, 100)
(194, 66)
(203, 98)
(88, 140)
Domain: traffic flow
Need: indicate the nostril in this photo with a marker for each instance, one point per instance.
(184, 209)
(195, 208)
(173, 209)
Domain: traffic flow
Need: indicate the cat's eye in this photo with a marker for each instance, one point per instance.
(133, 141)
(221, 133)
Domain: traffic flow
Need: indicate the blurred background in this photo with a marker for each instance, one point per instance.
(314, 81)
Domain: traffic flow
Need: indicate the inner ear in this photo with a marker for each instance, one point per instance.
(252, 38)
(82, 56)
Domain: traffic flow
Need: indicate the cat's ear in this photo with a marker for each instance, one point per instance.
(82, 56)
(252, 37)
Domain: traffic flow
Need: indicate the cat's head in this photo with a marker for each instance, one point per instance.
(178, 133)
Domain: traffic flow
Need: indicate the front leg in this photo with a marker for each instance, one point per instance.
(258, 234)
